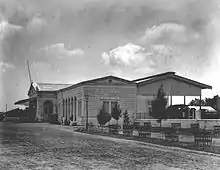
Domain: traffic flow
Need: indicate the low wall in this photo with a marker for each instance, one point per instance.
(185, 123)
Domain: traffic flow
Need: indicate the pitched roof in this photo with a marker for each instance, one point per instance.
(24, 102)
(162, 76)
(49, 86)
(99, 79)
(153, 77)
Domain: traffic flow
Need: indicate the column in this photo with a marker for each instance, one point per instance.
(75, 107)
(200, 106)
(39, 110)
(171, 100)
(184, 98)
(54, 108)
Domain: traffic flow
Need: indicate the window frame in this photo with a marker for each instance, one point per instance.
(110, 104)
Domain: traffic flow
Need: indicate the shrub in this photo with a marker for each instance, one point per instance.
(103, 117)
(116, 112)
(159, 105)
(126, 117)
(53, 119)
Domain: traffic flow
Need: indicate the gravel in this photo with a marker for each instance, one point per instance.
(45, 146)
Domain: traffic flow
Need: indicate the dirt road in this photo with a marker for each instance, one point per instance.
(44, 146)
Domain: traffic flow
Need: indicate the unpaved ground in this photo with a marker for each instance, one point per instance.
(44, 146)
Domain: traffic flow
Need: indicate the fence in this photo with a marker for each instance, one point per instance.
(198, 136)
(185, 123)
(142, 116)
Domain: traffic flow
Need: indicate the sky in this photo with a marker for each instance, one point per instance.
(67, 41)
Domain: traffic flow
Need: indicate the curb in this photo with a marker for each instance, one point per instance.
(156, 146)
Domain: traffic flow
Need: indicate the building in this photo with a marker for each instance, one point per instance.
(134, 96)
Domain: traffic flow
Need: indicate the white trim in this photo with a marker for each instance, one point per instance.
(109, 98)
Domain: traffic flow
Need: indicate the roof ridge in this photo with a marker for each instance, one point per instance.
(55, 83)
(156, 75)
(97, 79)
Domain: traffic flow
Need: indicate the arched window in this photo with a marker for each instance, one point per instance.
(71, 106)
(66, 108)
(63, 107)
(75, 100)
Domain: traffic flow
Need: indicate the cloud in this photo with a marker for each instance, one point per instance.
(169, 32)
(7, 29)
(144, 70)
(59, 50)
(141, 60)
(127, 55)
(161, 48)
(4, 66)
(36, 23)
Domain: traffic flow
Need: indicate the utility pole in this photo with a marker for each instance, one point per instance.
(29, 72)
(6, 108)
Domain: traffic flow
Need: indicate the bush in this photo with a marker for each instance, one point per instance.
(103, 117)
(159, 106)
(53, 119)
(116, 112)
(126, 117)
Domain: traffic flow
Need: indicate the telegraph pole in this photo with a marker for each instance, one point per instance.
(6, 108)
(29, 72)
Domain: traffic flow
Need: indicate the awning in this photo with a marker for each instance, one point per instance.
(24, 102)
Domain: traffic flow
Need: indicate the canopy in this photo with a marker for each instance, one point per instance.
(24, 102)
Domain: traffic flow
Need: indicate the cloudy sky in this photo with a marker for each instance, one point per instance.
(67, 41)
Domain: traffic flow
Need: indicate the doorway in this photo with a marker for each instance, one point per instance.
(48, 109)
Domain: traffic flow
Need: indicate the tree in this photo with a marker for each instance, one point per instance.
(207, 102)
(126, 117)
(196, 102)
(116, 112)
(159, 105)
(212, 102)
(103, 117)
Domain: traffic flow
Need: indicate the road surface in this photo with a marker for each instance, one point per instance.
(45, 146)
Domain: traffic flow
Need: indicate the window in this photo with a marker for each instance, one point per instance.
(79, 108)
(109, 105)
(75, 99)
(66, 108)
(63, 107)
(149, 108)
(71, 106)
(69, 111)
(113, 104)
(150, 111)
(106, 106)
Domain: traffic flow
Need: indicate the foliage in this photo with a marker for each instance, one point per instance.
(53, 119)
(103, 117)
(126, 117)
(116, 112)
(196, 102)
(207, 102)
(159, 105)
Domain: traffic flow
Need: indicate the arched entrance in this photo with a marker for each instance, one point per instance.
(48, 109)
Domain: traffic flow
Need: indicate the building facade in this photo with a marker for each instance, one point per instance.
(89, 96)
